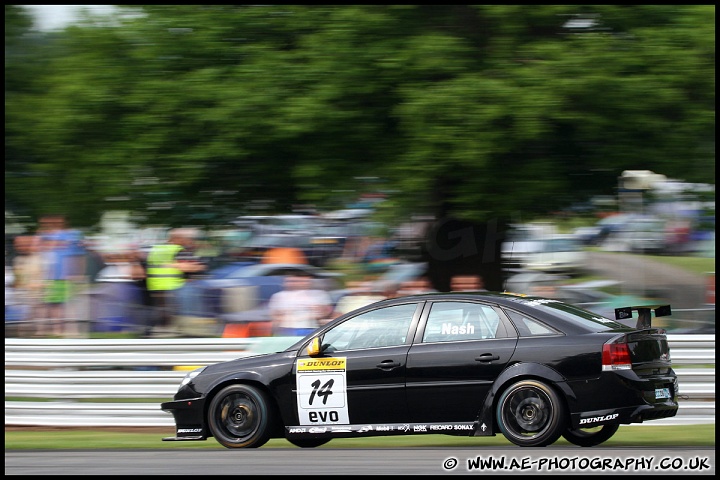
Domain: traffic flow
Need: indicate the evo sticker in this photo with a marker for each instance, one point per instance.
(322, 391)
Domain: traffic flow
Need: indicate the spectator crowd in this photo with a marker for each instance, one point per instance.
(59, 284)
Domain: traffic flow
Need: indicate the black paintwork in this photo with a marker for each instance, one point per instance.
(452, 387)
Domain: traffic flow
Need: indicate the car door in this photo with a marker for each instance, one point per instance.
(459, 350)
(360, 377)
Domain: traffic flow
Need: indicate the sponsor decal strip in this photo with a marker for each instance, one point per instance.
(463, 428)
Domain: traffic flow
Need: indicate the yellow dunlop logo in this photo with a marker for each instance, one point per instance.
(315, 364)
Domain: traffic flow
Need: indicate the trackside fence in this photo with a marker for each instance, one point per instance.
(121, 382)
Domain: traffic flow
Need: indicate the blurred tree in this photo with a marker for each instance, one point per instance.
(480, 115)
(23, 67)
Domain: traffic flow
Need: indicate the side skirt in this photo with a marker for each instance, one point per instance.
(463, 429)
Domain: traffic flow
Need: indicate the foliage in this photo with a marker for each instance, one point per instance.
(189, 113)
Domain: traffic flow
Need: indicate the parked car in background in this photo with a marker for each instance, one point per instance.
(647, 235)
(612, 223)
(464, 364)
(641, 234)
(314, 249)
(244, 286)
(324, 279)
(589, 235)
(402, 272)
(521, 241)
(290, 223)
(344, 237)
(321, 238)
(562, 254)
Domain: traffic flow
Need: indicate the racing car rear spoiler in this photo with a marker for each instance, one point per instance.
(644, 317)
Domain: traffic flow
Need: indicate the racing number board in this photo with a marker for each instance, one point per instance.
(322, 391)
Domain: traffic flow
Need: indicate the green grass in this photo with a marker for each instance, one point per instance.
(692, 264)
(697, 265)
(629, 435)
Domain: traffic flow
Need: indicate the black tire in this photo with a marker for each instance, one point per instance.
(589, 437)
(531, 414)
(308, 442)
(240, 416)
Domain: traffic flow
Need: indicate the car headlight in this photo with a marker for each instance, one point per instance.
(191, 375)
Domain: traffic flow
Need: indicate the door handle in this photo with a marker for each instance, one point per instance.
(388, 364)
(487, 357)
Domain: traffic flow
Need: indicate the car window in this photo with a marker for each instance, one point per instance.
(529, 327)
(573, 314)
(384, 327)
(454, 321)
(561, 245)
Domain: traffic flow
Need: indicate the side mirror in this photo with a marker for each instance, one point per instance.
(314, 348)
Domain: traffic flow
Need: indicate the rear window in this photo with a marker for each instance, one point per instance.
(574, 314)
(529, 327)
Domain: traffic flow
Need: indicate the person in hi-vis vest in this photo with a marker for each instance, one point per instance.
(166, 274)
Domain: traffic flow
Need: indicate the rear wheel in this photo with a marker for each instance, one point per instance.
(240, 416)
(589, 437)
(308, 442)
(531, 414)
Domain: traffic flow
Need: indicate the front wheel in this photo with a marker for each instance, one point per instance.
(589, 437)
(531, 414)
(240, 416)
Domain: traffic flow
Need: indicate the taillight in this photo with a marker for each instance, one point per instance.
(616, 356)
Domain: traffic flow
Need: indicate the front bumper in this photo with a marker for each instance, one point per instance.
(189, 419)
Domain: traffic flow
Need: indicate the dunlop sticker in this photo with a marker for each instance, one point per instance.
(320, 364)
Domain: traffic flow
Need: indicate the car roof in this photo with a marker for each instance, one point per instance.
(502, 298)
(529, 304)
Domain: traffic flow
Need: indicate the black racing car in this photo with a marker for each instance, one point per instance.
(469, 364)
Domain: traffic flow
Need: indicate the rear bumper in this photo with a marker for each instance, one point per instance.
(625, 415)
(625, 398)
